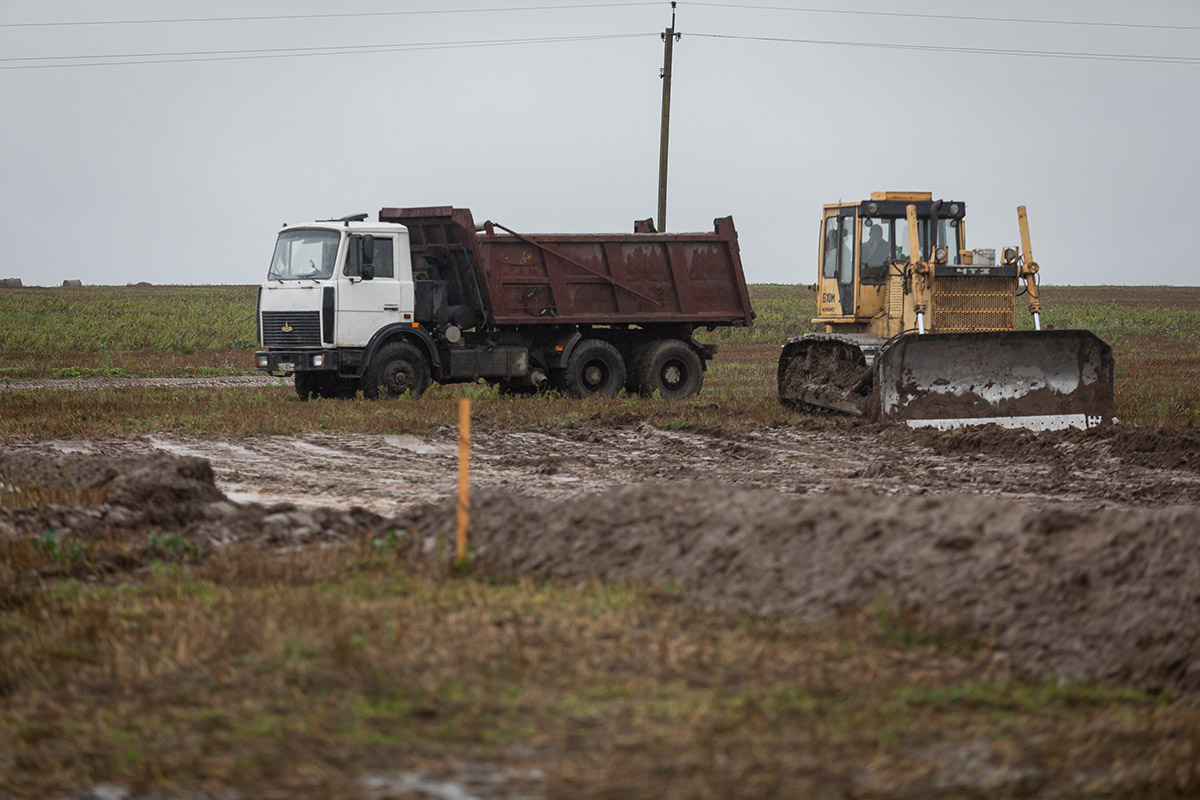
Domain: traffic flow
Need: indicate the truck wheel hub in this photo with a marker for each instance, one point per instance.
(399, 378)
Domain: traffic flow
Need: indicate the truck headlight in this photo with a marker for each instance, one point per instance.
(318, 360)
(262, 361)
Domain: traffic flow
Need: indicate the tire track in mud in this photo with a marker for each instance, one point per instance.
(386, 473)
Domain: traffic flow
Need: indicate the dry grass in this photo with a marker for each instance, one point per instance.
(291, 674)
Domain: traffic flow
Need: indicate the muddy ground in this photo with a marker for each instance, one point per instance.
(389, 473)
(1073, 554)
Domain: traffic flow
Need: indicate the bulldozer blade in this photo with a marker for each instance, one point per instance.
(1040, 380)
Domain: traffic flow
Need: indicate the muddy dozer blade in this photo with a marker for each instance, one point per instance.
(1040, 380)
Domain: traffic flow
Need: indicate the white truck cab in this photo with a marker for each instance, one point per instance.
(322, 296)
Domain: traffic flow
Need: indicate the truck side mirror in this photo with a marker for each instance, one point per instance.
(368, 249)
(367, 272)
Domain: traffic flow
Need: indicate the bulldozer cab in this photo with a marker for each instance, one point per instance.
(864, 253)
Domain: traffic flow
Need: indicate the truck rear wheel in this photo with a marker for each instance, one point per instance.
(397, 368)
(670, 368)
(595, 367)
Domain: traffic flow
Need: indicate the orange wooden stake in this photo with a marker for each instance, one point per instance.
(464, 475)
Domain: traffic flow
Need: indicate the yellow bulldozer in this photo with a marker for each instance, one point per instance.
(920, 329)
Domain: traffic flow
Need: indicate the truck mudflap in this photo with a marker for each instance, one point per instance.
(1040, 380)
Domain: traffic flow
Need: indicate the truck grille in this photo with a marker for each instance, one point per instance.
(305, 328)
(974, 304)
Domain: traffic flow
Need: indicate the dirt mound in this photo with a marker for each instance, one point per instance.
(65, 472)
(1080, 594)
(160, 491)
(1154, 448)
(1157, 448)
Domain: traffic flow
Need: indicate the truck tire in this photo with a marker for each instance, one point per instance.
(594, 367)
(633, 365)
(671, 368)
(397, 368)
(308, 384)
(340, 388)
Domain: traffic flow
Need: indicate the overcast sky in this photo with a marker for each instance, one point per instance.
(183, 172)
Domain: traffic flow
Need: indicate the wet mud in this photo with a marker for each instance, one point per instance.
(827, 378)
(1072, 553)
(1115, 466)
(1068, 591)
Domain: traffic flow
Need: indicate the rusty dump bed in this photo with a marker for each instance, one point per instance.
(556, 278)
(1028, 379)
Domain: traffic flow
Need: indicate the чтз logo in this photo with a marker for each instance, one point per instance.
(286, 328)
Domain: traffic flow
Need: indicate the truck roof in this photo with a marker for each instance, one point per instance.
(352, 227)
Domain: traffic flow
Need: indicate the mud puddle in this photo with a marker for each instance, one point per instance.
(387, 473)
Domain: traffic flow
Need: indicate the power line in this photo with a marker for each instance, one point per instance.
(120, 59)
(244, 55)
(1133, 57)
(348, 48)
(1022, 20)
(323, 16)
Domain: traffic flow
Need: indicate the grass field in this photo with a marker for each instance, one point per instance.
(126, 330)
(143, 660)
(293, 673)
(207, 331)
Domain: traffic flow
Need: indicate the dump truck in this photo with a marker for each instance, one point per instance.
(920, 329)
(423, 295)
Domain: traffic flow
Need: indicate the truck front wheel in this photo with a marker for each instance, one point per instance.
(595, 367)
(324, 384)
(670, 368)
(308, 384)
(397, 368)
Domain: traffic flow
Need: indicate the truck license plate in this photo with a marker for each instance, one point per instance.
(286, 366)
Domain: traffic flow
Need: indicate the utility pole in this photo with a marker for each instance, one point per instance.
(669, 37)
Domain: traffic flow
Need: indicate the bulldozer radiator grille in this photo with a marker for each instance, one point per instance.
(291, 328)
(962, 304)
(896, 297)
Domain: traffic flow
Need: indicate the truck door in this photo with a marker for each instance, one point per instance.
(366, 306)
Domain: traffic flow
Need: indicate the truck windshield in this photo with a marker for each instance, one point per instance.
(304, 255)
